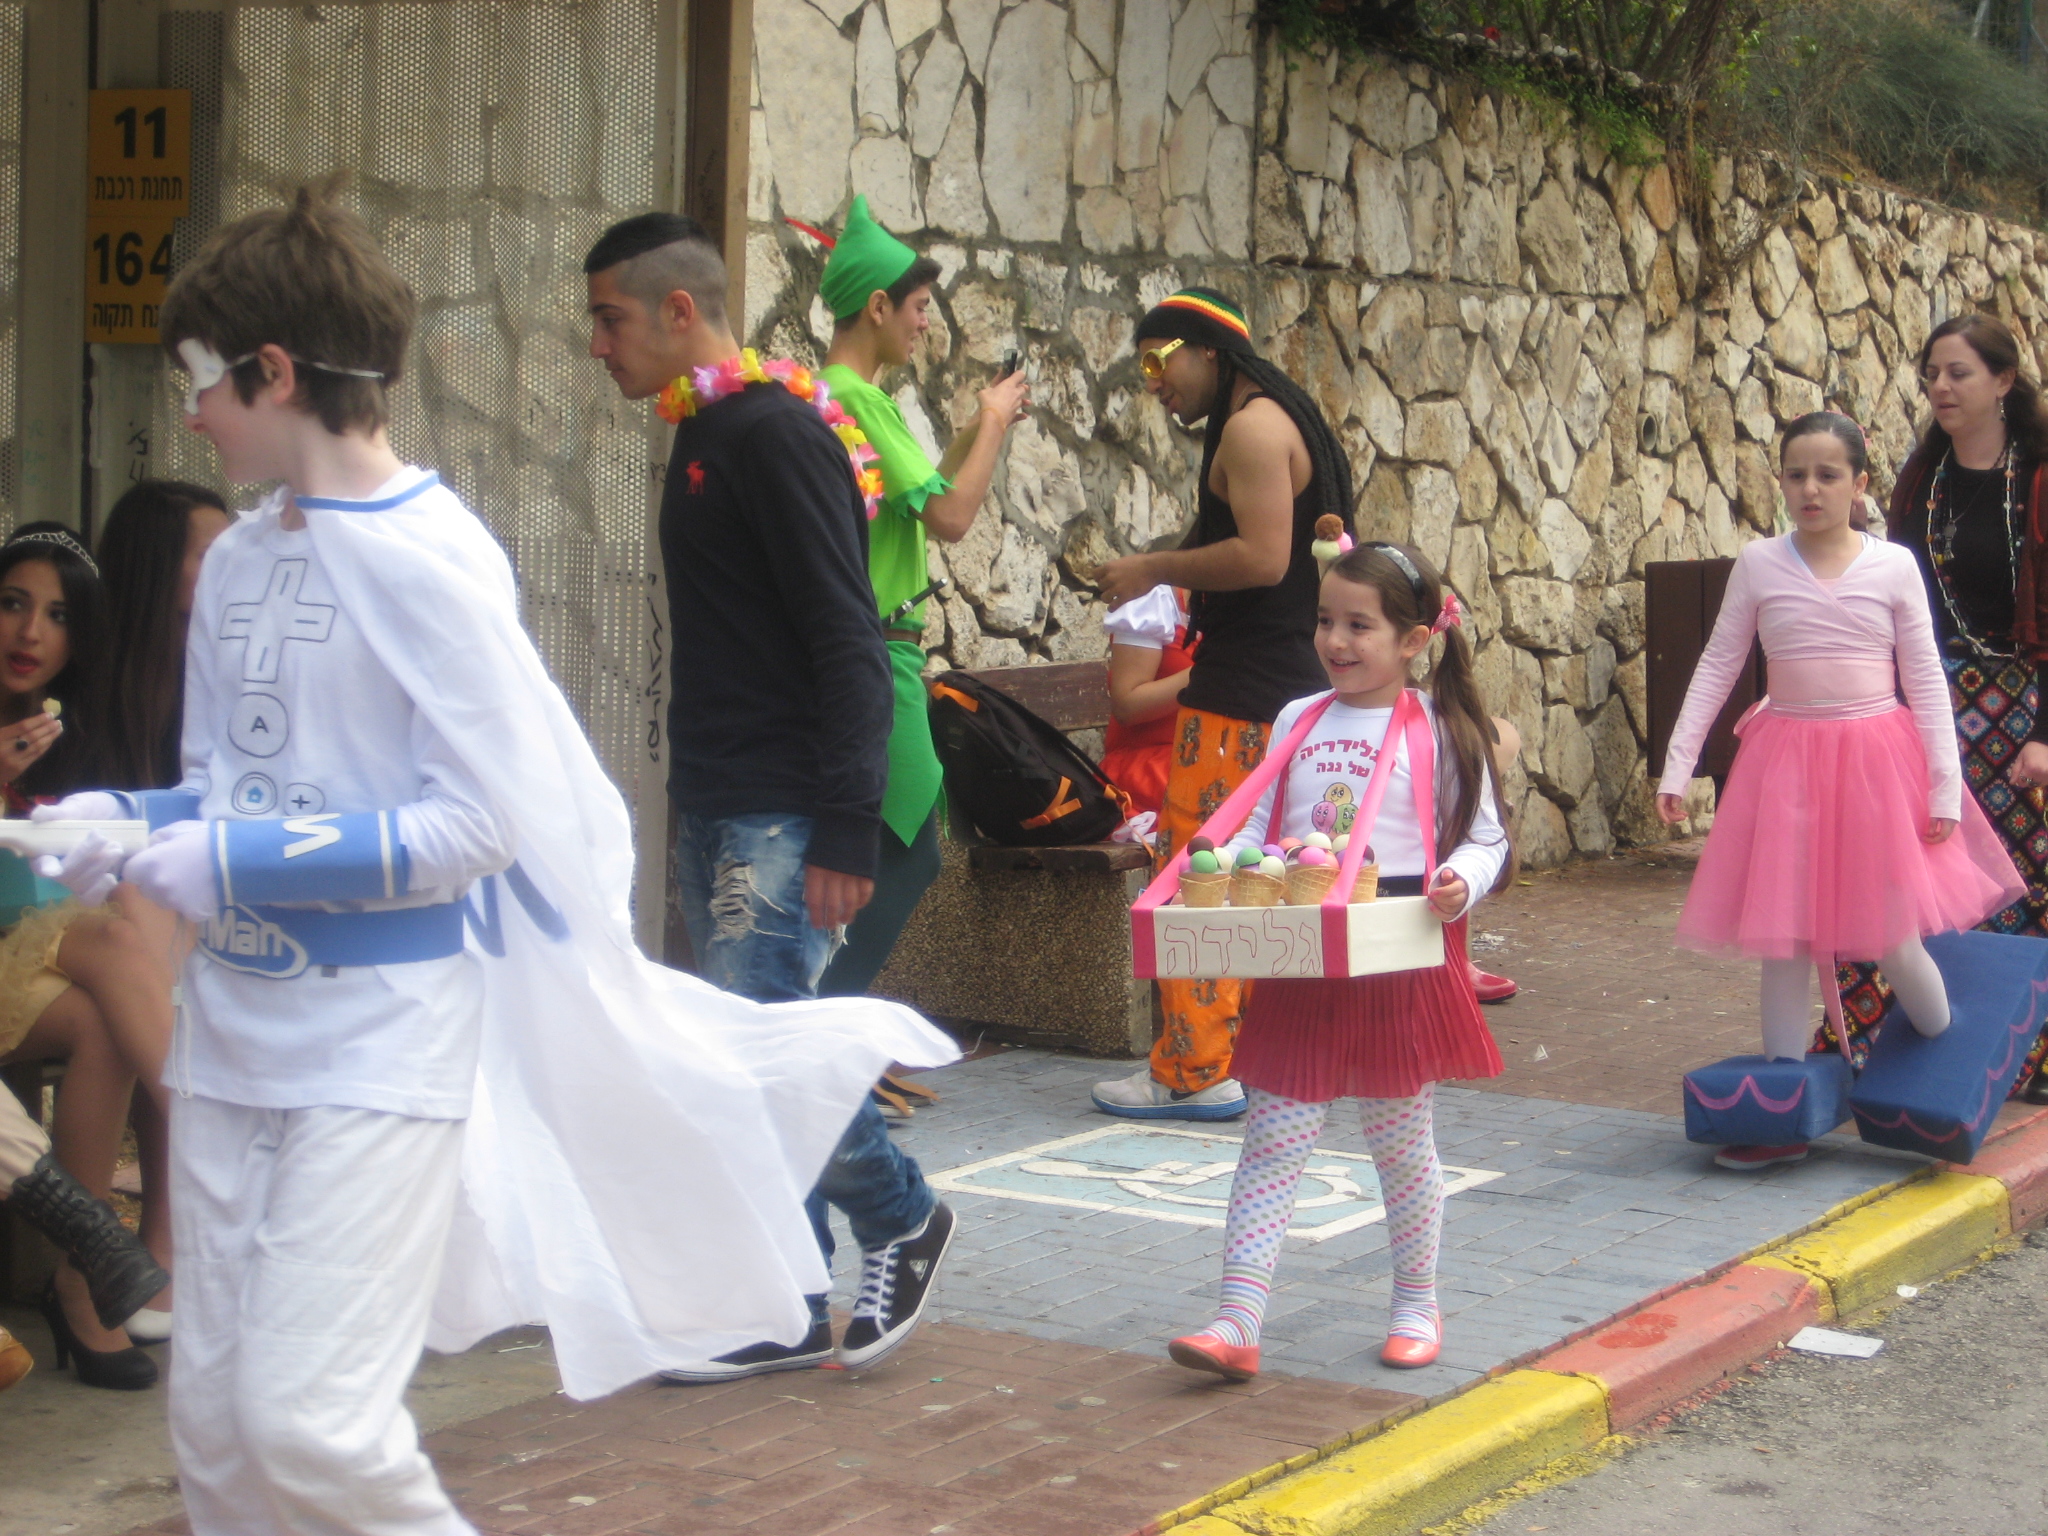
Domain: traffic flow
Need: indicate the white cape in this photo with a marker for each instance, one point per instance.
(642, 1142)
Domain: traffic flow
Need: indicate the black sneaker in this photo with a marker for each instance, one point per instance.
(760, 1359)
(895, 1283)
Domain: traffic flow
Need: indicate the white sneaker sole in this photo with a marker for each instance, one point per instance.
(887, 1345)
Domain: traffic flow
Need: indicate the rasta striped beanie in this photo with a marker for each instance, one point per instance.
(1202, 317)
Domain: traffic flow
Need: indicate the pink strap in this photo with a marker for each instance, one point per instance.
(1831, 1002)
(1409, 725)
(1220, 827)
(1410, 722)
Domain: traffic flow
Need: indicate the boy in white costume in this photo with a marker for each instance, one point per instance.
(369, 734)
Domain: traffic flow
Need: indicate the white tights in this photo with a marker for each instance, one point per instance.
(1786, 997)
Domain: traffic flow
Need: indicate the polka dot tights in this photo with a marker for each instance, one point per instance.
(1279, 1135)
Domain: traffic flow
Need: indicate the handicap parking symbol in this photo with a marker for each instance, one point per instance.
(1170, 1174)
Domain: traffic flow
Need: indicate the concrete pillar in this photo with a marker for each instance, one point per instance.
(51, 386)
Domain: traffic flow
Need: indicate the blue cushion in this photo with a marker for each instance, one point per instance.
(1940, 1096)
(1757, 1102)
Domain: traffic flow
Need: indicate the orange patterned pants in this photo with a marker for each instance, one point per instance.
(1212, 755)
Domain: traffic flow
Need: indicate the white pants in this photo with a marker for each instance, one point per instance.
(309, 1244)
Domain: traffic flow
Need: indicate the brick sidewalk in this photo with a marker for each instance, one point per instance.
(1037, 1400)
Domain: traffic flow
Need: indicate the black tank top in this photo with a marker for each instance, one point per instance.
(1258, 650)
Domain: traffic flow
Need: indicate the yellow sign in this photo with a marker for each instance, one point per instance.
(127, 269)
(139, 153)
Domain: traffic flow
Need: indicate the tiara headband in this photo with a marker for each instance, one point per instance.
(57, 537)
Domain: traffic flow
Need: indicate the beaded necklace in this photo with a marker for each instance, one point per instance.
(1942, 518)
(686, 396)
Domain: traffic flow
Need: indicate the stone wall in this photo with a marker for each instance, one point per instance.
(1544, 373)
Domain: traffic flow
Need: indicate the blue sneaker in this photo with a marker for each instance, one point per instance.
(1143, 1097)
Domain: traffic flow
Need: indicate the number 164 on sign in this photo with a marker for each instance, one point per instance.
(127, 269)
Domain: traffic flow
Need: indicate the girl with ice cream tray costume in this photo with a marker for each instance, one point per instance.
(1413, 774)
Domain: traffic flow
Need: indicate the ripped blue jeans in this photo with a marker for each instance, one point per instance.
(741, 884)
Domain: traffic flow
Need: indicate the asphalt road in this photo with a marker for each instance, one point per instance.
(1945, 1430)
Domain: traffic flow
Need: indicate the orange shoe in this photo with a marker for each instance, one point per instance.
(1409, 1354)
(1206, 1352)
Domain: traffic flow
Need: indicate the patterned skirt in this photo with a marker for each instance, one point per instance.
(1996, 704)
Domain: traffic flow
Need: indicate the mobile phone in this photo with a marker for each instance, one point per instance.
(1010, 361)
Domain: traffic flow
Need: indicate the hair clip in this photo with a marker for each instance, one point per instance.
(1451, 617)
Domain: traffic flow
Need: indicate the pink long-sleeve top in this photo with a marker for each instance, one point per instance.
(1833, 647)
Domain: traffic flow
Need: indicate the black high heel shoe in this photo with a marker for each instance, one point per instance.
(124, 1370)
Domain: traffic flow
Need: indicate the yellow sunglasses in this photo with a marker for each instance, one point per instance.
(1153, 363)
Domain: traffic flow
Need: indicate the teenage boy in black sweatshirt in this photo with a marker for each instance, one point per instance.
(779, 717)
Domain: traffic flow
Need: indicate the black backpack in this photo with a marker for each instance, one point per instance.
(1016, 778)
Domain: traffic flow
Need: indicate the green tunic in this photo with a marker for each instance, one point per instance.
(897, 569)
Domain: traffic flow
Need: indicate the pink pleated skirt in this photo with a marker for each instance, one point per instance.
(1368, 1037)
(1817, 844)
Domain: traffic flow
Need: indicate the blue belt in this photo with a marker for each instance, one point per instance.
(282, 942)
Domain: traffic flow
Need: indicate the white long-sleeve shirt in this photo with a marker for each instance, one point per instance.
(1326, 783)
(288, 712)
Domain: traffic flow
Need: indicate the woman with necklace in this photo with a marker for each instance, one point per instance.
(1970, 504)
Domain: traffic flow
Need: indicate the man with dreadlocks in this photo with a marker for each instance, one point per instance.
(1270, 467)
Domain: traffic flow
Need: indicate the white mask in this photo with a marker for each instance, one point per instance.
(206, 368)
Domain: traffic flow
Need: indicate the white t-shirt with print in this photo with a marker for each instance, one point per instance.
(1326, 783)
(289, 712)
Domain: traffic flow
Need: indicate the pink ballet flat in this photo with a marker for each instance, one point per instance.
(1747, 1159)
(1200, 1352)
(1406, 1354)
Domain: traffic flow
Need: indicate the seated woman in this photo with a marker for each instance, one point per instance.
(88, 988)
(150, 551)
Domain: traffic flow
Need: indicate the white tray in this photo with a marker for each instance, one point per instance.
(1394, 933)
(58, 838)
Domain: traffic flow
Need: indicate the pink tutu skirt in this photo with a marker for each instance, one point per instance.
(1816, 846)
(1366, 1037)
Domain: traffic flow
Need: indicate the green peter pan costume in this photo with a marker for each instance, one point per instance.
(868, 258)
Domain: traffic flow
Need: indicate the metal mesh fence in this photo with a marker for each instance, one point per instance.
(488, 146)
(10, 259)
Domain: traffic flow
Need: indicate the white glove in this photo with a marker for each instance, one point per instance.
(90, 871)
(91, 805)
(176, 871)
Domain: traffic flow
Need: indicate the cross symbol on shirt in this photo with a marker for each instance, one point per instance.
(279, 617)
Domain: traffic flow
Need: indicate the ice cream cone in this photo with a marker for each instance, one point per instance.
(1367, 887)
(1308, 884)
(1249, 888)
(1203, 890)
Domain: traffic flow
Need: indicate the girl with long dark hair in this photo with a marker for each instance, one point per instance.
(87, 987)
(149, 553)
(1426, 763)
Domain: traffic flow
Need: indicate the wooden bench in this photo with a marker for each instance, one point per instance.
(1033, 945)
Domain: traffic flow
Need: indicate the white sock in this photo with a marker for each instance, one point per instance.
(1922, 992)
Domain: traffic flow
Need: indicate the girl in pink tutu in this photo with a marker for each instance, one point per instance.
(1383, 1040)
(1844, 832)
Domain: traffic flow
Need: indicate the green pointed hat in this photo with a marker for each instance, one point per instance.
(867, 257)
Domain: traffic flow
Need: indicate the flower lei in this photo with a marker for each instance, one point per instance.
(686, 396)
